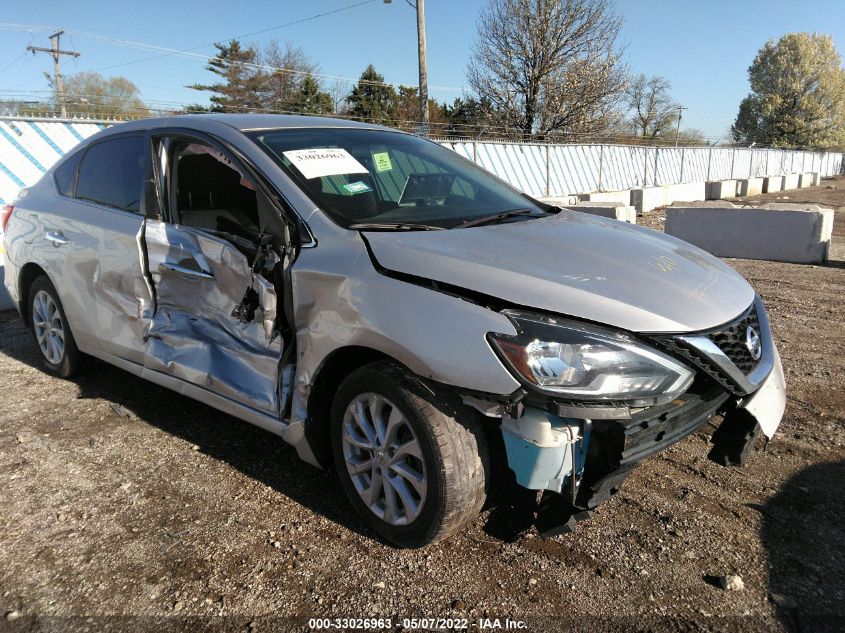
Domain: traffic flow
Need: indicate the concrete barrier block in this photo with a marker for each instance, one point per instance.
(646, 199)
(790, 181)
(560, 201)
(623, 213)
(613, 210)
(749, 186)
(817, 178)
(806, 180)
(707, 204)
(772, 184)
(686, 192)
(608, 196)
(721, 189)
(775, 232)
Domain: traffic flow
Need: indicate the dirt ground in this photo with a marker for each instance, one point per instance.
(178, 517)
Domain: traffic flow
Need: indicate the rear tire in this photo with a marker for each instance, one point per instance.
(50, 330)
(412, 460)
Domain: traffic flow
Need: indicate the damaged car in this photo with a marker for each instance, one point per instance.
(391, 310)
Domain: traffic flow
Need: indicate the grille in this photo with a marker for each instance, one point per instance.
(731, 340)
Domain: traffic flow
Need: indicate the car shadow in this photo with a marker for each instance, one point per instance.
(803, 532)
(254, 452)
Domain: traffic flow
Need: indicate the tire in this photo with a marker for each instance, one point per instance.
(62, 360)
(450, 453)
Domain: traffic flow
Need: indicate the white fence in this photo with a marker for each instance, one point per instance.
(561, 170)
(29, 146)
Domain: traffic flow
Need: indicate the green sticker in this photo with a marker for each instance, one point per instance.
(357, 187)
(382, 161)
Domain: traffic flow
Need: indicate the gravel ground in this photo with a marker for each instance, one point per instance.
(128, 507)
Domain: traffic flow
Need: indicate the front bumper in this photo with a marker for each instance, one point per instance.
(592, 458)
(767, 404)
(579, 458)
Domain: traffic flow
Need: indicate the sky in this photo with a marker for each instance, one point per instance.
(704, 47)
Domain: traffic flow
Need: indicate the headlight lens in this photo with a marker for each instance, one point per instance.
(577, 360)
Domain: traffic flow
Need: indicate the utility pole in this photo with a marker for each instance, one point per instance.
(423, 66)
(56, 52)
(678, 131)
(419, 5)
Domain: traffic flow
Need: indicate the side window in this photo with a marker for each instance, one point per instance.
(212, 192)
(65, 174)
(112, 173)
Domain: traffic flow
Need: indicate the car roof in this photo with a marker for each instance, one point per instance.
(243, 122)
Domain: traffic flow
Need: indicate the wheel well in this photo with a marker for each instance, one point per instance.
(29, 273)
(335, 368)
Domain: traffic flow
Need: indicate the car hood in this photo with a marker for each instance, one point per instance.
(577, 265)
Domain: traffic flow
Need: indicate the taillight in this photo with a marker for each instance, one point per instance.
(5, 214)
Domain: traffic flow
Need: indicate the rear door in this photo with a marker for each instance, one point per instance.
(215, 265)
(89, 242)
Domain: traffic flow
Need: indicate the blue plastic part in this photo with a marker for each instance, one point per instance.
(545, 468)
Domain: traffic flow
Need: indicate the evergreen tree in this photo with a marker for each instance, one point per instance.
(311, 100)
(371, 99)
(240, 85)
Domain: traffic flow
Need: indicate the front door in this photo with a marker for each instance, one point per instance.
(214, 272)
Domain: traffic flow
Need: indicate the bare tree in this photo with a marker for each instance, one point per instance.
(548, 67)
(652, 111)
(282, 86)
(339, 91)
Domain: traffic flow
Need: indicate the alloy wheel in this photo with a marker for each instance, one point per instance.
(49, 331)
(384, 459)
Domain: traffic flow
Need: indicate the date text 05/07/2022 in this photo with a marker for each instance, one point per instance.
(483, 624)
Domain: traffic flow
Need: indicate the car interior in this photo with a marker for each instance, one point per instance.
(212, 194)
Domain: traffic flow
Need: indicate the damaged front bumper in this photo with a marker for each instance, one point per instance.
(580, 463)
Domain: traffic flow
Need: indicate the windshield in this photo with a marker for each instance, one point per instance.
(382, 180)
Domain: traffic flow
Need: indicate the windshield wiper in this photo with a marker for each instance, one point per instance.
(394, 226)
(496, 217)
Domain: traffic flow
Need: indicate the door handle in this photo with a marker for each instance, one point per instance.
(183, 270)
(56, 238)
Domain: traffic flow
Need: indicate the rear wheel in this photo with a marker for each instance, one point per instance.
(50, 330)
(412, 462)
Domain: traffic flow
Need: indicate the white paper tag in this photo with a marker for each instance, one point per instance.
(332, 161)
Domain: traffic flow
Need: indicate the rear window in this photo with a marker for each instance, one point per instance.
(112, 173)
(66, 174)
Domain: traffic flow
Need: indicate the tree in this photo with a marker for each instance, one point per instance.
(408, 108)
(310, 99)
(548, 66)
(691, 136)
(653, 113)
(469, 117)
(14, 107)
(372, 99)
(339, 91)
(241, 81)
(290, 67)
(797, 95)
(91, 94)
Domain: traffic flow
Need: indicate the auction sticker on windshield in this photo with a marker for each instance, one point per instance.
(335, 161)
(382, 161)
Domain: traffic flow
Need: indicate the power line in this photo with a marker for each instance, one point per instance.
(13, 62)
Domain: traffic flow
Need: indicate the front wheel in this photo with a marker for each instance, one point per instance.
(412, 461)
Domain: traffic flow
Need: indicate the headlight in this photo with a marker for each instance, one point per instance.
(581, 361)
